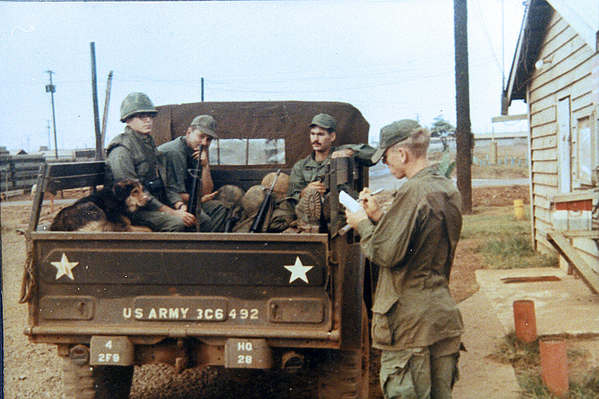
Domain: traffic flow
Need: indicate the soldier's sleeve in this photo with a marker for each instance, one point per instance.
(297, 182)
(387, 242)
(176, 168)
(121, 164)
(153, 205)
(362, 152)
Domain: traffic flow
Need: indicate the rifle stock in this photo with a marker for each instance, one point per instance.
(261, 215)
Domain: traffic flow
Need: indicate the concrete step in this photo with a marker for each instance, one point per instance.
(564, 305)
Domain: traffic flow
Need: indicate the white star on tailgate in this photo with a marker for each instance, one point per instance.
(64, 267)
(298, 271)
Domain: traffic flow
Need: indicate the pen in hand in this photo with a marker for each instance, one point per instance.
(372, 193)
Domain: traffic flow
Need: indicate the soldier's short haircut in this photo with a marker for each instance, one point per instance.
(417, 143)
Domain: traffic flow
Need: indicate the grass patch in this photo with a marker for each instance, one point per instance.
(491, 222)
(533, 387)
(517, 353)
(506, 243)
(500, 172)
(525, 358)
(508, 246)
(514, 252)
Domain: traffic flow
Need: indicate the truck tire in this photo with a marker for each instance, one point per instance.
(345, 373)
(95, 382)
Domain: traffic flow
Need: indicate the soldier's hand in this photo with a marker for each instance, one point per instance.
(353, 218)
(371, 205)
(186, 217)
(209, 197)
(342, 153)
(315, 185)
(205, 157)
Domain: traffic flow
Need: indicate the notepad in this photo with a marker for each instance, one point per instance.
(349, 202)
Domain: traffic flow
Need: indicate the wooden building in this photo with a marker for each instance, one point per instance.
(556, 72)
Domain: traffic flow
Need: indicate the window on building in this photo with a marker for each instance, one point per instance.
(585, 155)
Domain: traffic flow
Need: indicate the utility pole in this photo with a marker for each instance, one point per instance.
(462, 82)
(202, 89)
(52, 89)
(105, 116)
(99, 149)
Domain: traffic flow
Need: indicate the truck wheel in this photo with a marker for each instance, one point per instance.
(95, 382)
(345, 374)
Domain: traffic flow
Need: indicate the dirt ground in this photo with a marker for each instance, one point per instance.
(33, 370)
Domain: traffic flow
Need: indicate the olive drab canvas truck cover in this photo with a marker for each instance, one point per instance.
(113, 300)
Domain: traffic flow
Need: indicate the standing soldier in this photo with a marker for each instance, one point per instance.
(133, 154)
(416, 323)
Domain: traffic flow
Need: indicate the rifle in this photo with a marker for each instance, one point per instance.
(233, 216)
(261, 215)
(194, 198)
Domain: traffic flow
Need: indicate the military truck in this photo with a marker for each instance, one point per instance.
(113, 300)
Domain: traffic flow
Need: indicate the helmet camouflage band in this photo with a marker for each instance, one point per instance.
(136, 103)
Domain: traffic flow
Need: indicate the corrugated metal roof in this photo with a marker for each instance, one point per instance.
(582, 15)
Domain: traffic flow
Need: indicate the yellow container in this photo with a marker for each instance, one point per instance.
(519, 209)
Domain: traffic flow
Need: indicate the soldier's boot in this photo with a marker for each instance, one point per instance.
(309, 211)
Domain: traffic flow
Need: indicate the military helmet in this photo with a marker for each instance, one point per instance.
(281, 186)
(252, 200)
(230, 195)
(136, 103)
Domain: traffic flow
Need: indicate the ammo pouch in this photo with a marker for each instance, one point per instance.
(156, 188)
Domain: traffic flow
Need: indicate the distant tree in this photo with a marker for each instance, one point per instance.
(442, 129)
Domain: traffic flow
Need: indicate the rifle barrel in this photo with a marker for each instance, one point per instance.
(197, 178)
(261, 215)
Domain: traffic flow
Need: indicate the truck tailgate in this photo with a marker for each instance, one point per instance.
(181, 284)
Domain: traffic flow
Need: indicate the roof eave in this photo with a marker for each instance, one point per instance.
(532, 33)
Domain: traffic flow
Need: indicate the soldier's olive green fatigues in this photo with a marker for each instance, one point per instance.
(416, 322)
(134, 155)
(179, 160)
(307, 170)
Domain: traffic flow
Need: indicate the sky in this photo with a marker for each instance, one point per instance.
(390, 59)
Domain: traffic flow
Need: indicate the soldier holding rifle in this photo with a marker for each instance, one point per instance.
(182, 156)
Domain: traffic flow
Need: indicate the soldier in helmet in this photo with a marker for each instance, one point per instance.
(181, 155)
(133, 154)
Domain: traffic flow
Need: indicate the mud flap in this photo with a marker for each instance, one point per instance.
(110, 351)
(248, 354)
